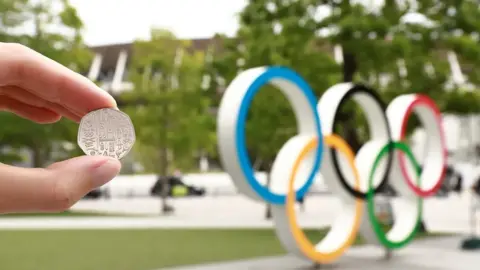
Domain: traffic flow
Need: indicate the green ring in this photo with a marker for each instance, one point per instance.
(381, 235)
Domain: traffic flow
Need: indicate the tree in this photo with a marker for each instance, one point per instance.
(172, 110)
(384, 49)
(70, 51)
(11, 14)
(11, 17)
(457, 30)
(460, 30)
(380, 47)
(272, 33)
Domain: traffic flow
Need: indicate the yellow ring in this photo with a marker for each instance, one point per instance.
(306, 247)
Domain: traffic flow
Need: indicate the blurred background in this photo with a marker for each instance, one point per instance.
(167, 64)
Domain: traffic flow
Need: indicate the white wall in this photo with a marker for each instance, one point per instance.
(461, 133)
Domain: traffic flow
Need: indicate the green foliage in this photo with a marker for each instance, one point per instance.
(11, 16)
(260, 43)
(69, 50)
(175, 118)
(461, 102)
(374, 41)
(461, 28)
(458, 30)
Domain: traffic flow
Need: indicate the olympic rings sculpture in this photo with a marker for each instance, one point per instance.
(355, 179)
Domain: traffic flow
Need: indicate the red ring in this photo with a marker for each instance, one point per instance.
(421, 99)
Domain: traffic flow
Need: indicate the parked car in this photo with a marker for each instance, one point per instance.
(94, 194)
(176, 188)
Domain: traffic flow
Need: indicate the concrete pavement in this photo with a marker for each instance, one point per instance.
(430, 254)
(441, 215)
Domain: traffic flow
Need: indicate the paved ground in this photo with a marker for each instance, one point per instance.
(442, 215)
(432, 254)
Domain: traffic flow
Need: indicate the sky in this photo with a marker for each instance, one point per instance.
(116, 21)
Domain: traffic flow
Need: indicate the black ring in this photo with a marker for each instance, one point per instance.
(358, 88)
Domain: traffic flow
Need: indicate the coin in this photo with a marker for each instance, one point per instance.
(106, 132)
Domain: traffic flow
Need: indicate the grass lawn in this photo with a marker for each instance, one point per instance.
(133, 249)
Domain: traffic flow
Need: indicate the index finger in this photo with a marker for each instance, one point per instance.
(50, 80)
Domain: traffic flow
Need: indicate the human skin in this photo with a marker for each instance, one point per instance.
(37, 88)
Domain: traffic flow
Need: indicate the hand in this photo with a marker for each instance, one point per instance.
(37, 88)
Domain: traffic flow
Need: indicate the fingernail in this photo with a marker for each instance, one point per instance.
(105, 170)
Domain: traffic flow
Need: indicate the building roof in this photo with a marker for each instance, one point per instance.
(111, 52)
(110, 56)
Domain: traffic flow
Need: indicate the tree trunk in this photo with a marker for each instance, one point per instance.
(163, 172)
(349, 66)
(38, 156)
(268, 210)
(350, 132)
(345, 118)
(164, 162)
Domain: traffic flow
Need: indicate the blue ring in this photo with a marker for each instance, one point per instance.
(240, 141)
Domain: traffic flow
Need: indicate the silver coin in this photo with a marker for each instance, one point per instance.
(106, 132)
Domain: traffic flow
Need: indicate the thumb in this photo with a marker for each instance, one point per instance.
(55, 188)
(74, 178)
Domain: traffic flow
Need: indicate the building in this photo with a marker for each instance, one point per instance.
(110, 64)
(110, 68)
